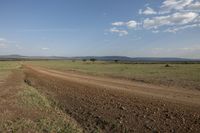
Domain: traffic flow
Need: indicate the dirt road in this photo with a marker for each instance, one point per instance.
(115, 105)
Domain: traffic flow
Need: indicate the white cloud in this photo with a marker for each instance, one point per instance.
(170, 16)
(174, 19)
(3, 43)
(155, 31)
(129, 24)
(197, 20)
(148, 11)
(132, 24)
(119, 32)
(194, 6)
(118, 23)
(170, 5)
(45, 48)
(176, 29)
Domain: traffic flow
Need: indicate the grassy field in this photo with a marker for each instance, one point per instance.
(184, 75)
(6, 67)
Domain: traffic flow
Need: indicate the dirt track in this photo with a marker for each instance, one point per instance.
(114, 105)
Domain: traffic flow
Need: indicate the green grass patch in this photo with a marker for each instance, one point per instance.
(9, 65)
(6, 67)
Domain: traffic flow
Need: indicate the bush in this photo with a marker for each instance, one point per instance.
(93, 59)
(116, 61)
(167, 65)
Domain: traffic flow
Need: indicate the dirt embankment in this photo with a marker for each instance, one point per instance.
(113, 105)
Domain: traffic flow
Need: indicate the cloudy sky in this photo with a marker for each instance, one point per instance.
(136, 28)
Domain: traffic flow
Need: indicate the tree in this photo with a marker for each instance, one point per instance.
(93, 59)
(116, 61)
(84, 60)
(167, 65)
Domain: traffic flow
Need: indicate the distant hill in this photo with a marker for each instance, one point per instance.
(101, 58)
(20, 57)
(136, 59)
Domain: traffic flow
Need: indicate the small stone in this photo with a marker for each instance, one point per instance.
(154, 130)
(122, 108)
(183, 119)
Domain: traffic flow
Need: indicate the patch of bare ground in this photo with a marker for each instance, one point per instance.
(24, 109)
(110, 105)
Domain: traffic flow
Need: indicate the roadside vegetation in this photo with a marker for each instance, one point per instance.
(184, 75)
(49, 119)
(25, 109)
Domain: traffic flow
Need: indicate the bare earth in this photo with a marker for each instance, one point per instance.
(114, 105)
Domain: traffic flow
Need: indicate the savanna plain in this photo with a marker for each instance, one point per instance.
(84, 96)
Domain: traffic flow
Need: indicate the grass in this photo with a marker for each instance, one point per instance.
(6, 67)
(184, 75)
(41, 125)
(52, 120)
(30, 97)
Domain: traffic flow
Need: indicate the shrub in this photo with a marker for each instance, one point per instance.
(93, 59)
(167, 65)
(116, 61)
(84, 60)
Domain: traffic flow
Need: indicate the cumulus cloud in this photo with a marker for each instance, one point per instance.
(176, 29)
(119, 32)
(170, 5)
(174, 19)
(194, 6)
(118, 23)
(170, 16)
(147, 11)
(132, 24)
(181, 14)
(129, 24)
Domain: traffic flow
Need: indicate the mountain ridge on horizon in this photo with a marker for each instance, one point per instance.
(102, 58)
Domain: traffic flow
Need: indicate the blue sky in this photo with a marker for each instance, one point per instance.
(136, 28)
